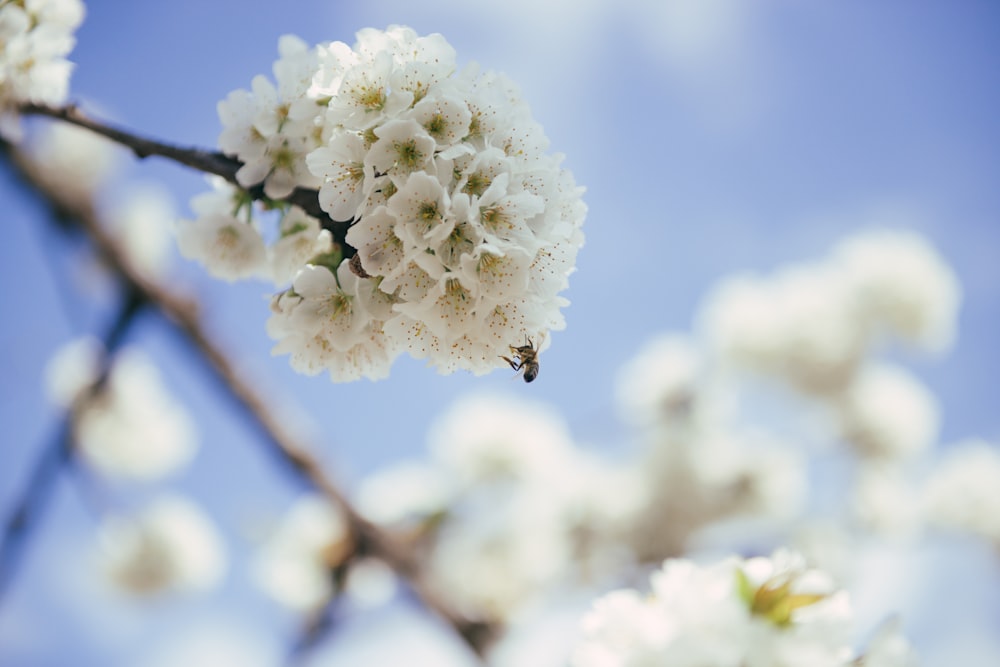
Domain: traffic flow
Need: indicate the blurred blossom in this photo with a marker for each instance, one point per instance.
(405, 492)
(813, 324)
(963, 491)
(133, 428)
(72, 162)
(661, 382)
(295, 565)
(485, 438)
(170, 545)
(370, 582)
(72, 369)
(143, 220)
(696, 481)
(902, 285)
(530, 511)
(796, 324)
(887, 413)
(887, 501)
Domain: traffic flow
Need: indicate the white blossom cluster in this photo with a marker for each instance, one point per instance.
(813, 323)
(510, 507)
(698, 468)
(294, 564)
(963, 491)
(168, 545)
(757, 612)
(463, 231)
(35, 38)
(817, 326)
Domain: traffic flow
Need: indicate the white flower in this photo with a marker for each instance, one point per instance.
(888, 413)
(797, 324)
(761, 612)
(455, 212)
(271, 129)
(902, 284)
(133, 428)
(484, 438)
(294, 566)
(35, 37)
(963, 492)
(661, 382)
(72, 369)
(170, 544)
(228, 247)
(886, 501)
(301, 240)
(404, 492)
(71, 161)
(143, 220)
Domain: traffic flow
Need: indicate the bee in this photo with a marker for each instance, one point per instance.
(525, 361)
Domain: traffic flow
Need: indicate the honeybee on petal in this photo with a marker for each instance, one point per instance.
(525, 360)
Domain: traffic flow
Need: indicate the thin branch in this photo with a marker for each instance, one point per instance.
(37, 493)
(209, 162)
(370, 540)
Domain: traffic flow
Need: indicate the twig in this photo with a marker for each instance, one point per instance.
(369, 539)
(209, 162)
(31, 504)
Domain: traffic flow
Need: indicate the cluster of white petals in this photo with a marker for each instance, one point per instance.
(526, 509)
(462, 229)
(697, 467)
(813, 323)
(133, 428)
(963, 492)
(169, 545)
(757, 612)
(295, 563)
(35, 38)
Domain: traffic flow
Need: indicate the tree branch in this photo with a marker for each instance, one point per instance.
(369, 539)
(209, 162)
(37, 492)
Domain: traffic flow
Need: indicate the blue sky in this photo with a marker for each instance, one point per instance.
(711, 136)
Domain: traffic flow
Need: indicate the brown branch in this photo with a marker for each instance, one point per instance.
(209, 162)
(369, 539)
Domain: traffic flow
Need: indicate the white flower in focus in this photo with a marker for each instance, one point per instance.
(272, 128)
(35, 37)
(963, 492)
(169, 545)
(301, 240)
(457, 215)
(888, 413)
(902, 284)
(761, 612)
(230, 248)
(294, 566)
